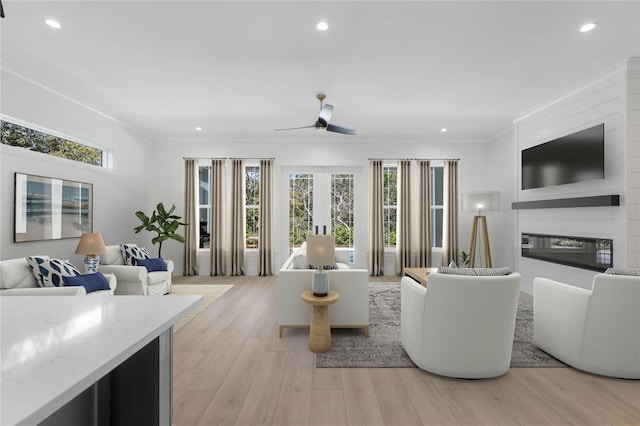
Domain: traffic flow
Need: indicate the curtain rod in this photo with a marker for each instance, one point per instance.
(224, 158)
(417, 159)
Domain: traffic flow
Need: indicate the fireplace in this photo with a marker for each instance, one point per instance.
(595, 254)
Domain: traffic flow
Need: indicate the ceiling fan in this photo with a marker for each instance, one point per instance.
(1, 10)
(323, 120)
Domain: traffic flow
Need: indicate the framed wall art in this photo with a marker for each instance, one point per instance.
(51, 209)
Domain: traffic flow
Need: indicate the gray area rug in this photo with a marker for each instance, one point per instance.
(350, 348)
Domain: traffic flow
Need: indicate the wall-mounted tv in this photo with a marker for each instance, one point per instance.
(573, 158)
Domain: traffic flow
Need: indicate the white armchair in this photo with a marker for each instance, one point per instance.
(135, 280)
(460, 326)
(595, 330)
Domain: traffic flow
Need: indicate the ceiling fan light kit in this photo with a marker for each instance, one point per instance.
(322, 124)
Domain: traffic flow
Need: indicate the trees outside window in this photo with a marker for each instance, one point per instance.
(252, 205)
(300, 208)
(390, 204)
(342, 208)
(33, 140)
(437, 189)
(204, 206)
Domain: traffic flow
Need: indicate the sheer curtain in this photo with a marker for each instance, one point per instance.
(423, 254)
(450, 213)
(217, 237)
(403, 241)
(265, 225)
(191, 178)
(376, 232)
(238, 227)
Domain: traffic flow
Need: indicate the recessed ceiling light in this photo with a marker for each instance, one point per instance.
(198, 129)
(53, 23)
(322, 26)
(588, 27)
(443, 130)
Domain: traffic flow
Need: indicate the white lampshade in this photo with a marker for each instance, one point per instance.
(91, 244)
(481, 201)
(321, 249)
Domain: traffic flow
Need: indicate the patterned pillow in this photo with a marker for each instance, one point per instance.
(455, 271)
(620, 271)
(130, 252)
(50, 272)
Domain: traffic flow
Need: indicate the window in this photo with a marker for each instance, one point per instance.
(342, 207)
(300, 208)
(390, 204)
(252, 205)
(33, 140)
(437, 188)
(204, 206)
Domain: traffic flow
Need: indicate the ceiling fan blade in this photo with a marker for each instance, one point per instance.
(325, 113)
(1, 10)
(343, 130)
(296, 128)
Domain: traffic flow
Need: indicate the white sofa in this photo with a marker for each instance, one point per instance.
(135, 280)
(595, 330)
(460, 326)
(351, 311)
(16, 279)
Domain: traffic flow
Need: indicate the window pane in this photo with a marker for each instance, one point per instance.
(33, 140)
(203, 186)
(252, 205)
(342, 206)
(437, 174)
(300, 208)
(204, 227)
(390, 202)
(436, 227)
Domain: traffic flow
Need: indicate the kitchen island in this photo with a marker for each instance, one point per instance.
(88, 360)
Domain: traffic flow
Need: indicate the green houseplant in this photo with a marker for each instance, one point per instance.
(163, 222)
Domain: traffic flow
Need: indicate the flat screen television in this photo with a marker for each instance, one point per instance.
(573, 158)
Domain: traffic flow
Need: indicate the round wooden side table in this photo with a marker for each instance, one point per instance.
(320, 328)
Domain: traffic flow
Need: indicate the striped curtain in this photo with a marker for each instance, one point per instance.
(403, 224)
(217, 237)
(238, 226)
(265, 225)
(423, 253)
(450, 213)
(190, 262)
(376, 232)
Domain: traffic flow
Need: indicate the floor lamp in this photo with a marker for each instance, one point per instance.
(479, 202)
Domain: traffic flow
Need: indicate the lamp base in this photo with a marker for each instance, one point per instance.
(320, 284)
(91, 263)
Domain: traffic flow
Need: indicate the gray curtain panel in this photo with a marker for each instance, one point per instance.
(190, 262)
(217, 237)
(238, 227)
(450, 213)
(403, 225)
(423, 253)
(265, 225)
(376, 232)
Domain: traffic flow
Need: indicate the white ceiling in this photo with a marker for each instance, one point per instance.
(393, 70)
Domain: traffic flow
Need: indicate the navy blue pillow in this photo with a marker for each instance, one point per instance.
(152, 265)
(91, 282)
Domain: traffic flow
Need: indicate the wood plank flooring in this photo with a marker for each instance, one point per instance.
(230, 368)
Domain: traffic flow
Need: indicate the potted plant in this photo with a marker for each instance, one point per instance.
(163, 222)
(464, 259)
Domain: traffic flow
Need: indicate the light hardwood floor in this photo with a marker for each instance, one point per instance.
(231, 368)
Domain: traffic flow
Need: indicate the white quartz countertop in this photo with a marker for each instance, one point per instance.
(55, 347)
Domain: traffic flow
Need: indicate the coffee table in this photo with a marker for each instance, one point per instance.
(320, 328)
(419, 274)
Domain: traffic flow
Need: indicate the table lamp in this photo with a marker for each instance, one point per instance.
(92, 246)
(479, 202)
(321, 251)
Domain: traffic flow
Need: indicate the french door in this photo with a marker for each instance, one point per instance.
(325, 199)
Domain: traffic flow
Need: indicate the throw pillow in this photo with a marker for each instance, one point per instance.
(91, 282)
(131, 252)
(50, 272)
(492, 272)
(455, 271)
(620, 271)
(152, 265)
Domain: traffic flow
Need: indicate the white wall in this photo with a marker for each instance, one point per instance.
(632, 210)
(117, 193)
(601, 101)
(329, 150)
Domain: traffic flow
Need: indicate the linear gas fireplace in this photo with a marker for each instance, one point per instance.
(588, 253)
